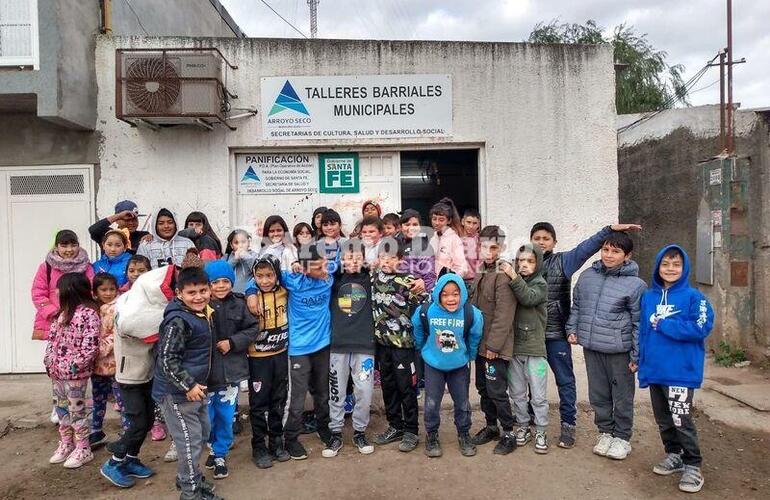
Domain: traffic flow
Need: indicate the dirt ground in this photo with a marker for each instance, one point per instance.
(737, 465)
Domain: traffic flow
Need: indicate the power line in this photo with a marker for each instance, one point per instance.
(283, 18)
(672, 99)
(705, 87)
(137, 17)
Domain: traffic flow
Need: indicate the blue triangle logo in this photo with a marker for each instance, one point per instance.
(250, 175)
(288, 100)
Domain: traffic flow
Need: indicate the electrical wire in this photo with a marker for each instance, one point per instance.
(705, 87)
(671, 100)
(283, 18)
(137, 17)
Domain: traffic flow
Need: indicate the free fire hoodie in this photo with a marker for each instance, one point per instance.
(444, 346)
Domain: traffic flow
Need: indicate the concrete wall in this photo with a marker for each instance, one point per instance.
(661, 187)
(518, 102)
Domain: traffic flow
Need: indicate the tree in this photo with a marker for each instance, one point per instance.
(646, 82)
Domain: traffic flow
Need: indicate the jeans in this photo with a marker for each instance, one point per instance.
(458, 381)
(560, 361)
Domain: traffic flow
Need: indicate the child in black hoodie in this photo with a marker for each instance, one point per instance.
(352, 348)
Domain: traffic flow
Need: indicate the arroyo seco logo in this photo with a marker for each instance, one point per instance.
(288, 100)
(250, 176)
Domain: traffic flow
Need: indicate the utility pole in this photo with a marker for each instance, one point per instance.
(730, 120)
(313, 4)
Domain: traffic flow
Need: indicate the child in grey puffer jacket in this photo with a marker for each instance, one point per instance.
(605, 320)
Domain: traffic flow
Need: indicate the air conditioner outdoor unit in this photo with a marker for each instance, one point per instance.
(172, 87)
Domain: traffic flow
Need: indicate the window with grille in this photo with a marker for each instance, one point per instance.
(29, 185)
(18, 33)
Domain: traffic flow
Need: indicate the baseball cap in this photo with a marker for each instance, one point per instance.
(128, 205)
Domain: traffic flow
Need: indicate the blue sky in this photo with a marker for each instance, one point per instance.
(691, 31)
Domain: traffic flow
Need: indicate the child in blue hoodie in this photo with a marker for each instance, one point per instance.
(675, 321)
(309, 340)
(447, 344)
(115, 256)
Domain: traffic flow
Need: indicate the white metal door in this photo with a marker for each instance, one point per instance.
(37, 203)
(379, 179)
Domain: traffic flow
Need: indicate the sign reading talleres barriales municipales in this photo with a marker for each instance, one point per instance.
(356, 107)
(277, 173)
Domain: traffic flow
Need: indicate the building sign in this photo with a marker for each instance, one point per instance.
(277, 173)
(356, 107)
(338, 173)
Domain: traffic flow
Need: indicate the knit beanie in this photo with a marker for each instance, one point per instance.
(218, 269)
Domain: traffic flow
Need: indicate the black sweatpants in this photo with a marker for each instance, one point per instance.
(268, 390)
(492, 384)
(611, 387)
(672, 407)
(310, 370)
(139, 413)
(398, 379)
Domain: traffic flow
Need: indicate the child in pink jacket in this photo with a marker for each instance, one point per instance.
(447, 245)
(73, 344)
(66, 257)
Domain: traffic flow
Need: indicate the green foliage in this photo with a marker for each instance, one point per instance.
(646, 82)
(727, 355)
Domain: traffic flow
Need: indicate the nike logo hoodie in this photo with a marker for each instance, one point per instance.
(672, 353)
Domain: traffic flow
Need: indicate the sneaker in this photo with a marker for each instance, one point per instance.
(115, 473)
(350, 403)
(506, 445)
(62, 452)
(567, 436)
(220, 468)
(296, 450)
(54, 417)
(309, 423)
(278, 450)
(209, 462)
(363, 444)
(541, 442)
(603, 444)
(486, 434)
(619, 449)
(333, 446)
(171, 455)
(408, 442)
(692, 479)
(669, 465)
(432, 445)
(391, 435)
(78, 458)
(261, 457)
(244, 386)
(523, 436)
(133, 467)
(97, 439)
(158, 432)
(467, 448)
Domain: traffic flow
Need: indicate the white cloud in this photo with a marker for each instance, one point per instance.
(691, 32)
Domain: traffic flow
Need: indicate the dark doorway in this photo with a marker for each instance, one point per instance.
(429, 175)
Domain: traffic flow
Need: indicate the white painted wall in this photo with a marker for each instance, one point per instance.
(543, 116)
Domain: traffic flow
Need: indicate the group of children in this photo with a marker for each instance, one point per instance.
(182, 323)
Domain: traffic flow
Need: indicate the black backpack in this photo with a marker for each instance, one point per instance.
(467, 316)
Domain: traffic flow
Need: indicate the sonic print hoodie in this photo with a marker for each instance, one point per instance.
(444, 347)
(672, 353)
